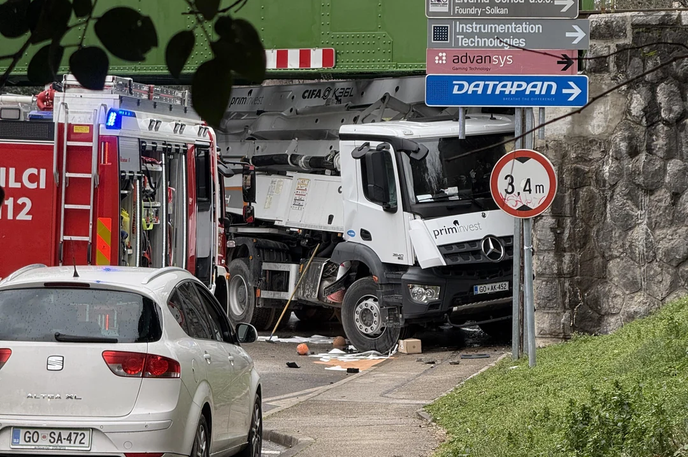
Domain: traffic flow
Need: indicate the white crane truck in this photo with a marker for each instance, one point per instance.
(393, 207)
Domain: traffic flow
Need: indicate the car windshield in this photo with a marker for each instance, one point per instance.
(77, 315)
(438, 178)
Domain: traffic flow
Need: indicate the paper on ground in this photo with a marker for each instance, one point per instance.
(315, 339)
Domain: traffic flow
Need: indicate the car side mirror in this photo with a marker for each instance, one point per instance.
(248, 184)
(246, 333)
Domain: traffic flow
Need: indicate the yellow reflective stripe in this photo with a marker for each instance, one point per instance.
(104, 241)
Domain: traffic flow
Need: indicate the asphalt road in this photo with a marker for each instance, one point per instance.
(281, 382)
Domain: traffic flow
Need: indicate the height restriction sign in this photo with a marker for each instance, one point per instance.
(523, 183)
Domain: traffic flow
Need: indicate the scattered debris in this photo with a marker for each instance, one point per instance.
(339, 342)
(454, 362)
(428, 361)
(293, 365)
(352, 370)
(341, 360)
(410, 346)
(475, 356)
(315, 339)
(302, 349)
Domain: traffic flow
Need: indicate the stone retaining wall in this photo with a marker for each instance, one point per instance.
(614, 244)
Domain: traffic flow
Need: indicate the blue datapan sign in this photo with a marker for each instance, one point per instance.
(506, 90)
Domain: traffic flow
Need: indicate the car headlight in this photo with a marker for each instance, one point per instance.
(424, 294)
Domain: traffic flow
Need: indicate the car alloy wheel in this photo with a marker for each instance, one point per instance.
(255, 436)
(201, 447)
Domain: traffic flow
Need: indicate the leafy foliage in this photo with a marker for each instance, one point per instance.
(207, 95)
(178, 51)
(624, 394)
(128, 35)
(12, 18)
(43, 65)
(90, 67)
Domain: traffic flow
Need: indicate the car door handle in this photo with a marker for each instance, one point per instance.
(207, 357)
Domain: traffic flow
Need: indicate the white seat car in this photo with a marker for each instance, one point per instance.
(122, 361)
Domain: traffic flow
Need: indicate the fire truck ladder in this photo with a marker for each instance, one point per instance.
(92, 177)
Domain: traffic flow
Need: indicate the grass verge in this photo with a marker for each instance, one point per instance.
(624, 394)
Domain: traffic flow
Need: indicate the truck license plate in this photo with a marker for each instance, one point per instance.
(47, 438)
(491, 288)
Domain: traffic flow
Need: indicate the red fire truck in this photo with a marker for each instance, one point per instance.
(124, 176)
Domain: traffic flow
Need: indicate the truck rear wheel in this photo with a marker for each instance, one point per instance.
(362, 319)
(242, 296)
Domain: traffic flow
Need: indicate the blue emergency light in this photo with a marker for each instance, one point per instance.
(114, 118)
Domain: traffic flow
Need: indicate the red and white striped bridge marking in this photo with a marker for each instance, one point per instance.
(299, 59)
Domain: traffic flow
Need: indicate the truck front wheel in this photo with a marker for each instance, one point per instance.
(362, 319)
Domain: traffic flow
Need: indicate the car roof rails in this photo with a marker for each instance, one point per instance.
(160, 272)
(21, 271)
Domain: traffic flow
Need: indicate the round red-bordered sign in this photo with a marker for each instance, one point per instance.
(523, 183)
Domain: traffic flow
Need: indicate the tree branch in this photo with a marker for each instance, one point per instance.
(237, 2)
(15, 60)
(618, 51)
(199, 20)
(88, 21)
(579, 110)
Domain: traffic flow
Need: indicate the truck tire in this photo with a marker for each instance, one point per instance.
(315, 314)
(242, 297)
(361, 318)
(274, 315)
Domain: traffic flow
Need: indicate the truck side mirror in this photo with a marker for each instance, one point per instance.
(379, 187)
(248, 184)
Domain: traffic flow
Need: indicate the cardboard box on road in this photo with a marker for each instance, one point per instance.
(410, 346)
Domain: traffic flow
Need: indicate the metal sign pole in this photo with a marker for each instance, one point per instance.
(528, 261)
(516, 314)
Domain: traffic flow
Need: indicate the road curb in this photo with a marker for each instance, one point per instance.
(294, 444)
(314, 393)
(424, 415)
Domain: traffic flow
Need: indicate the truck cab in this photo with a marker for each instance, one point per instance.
(419, 214)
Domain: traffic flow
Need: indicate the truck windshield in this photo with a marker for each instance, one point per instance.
(437, 178)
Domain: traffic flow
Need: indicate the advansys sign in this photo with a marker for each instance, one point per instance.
(500, 62)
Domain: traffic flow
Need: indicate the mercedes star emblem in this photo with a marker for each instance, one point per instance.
(493, 248)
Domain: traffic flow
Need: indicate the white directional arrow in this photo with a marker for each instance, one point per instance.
(579, 34)
(566, 3)
(574, 91)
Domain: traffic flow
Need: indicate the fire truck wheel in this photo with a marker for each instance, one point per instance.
(242, 296)
(362, 319)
